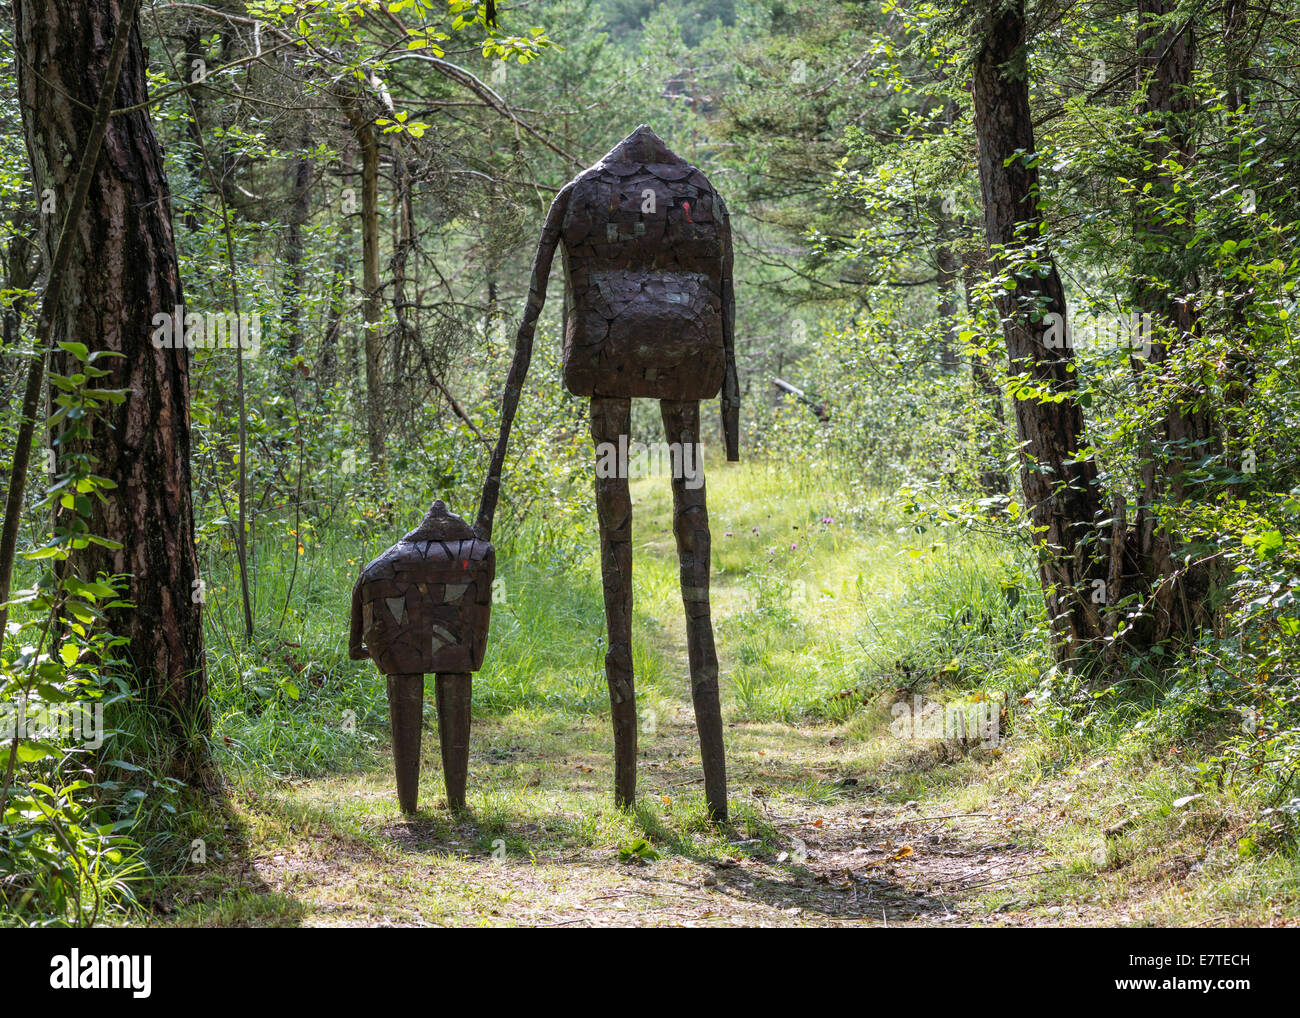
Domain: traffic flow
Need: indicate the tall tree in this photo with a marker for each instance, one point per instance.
(1060, 485)
(124, 272)
(295, 267)
(1240, 358)
(1163, 288)
(367, 135)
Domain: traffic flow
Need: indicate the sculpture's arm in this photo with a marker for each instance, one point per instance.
(487, 505)
(356, 648)
(730, 383)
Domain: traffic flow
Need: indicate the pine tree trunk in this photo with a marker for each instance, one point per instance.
(194, 52)
(123, 272)
(1239, 382)
(405, 342)
(946, 265)
(1060, 487)
(295, 269)
(368, 143)
(991, 443)
(1187, 432)
(327, 364)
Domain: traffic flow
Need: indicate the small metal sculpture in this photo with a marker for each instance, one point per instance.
(649, 311)
(423, 606)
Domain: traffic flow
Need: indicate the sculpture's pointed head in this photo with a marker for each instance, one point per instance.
(440, 524)
(642, 146)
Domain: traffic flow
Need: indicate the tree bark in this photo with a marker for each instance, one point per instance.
(123, 272)
(991, 444)
(405, 343)
(946, 263)
(1060, 487)
(327, 365)
(368, 143)
(295, 270)
(1239, 382)
(194, 51)
(1162, 285)
(22, 266)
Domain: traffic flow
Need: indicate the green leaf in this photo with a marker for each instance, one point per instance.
(30, 752)
(1265, 545)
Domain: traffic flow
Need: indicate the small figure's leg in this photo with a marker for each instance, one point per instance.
(691, 528)
(406, 714)
(611, 418)
(453, 693)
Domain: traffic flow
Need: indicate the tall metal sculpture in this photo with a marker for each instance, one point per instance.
(649, 312)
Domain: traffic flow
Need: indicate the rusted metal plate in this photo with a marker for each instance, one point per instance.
(426, 602)
(643, 276)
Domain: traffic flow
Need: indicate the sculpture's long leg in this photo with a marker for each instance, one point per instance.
(453, 692)
(405, 712)
(610, 419)
(691, 528)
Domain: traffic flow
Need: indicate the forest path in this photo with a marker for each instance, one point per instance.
(831, 824)
(814, 840)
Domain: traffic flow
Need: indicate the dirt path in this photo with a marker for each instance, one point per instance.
(816, 840)
(825, 832)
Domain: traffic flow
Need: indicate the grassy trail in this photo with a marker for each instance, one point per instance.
(835, 820)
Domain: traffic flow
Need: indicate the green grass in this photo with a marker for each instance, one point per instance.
(819, 605)
(828, 611)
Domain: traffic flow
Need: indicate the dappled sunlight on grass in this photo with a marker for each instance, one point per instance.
(828, 614)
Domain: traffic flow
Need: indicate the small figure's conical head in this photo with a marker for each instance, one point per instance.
(440, 524)
(642, 146)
